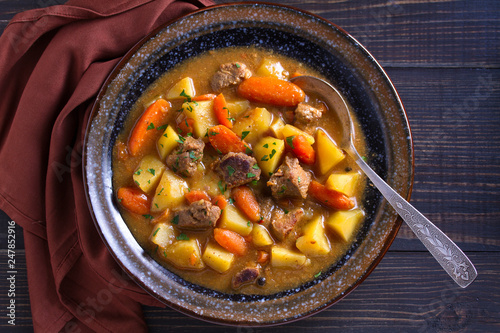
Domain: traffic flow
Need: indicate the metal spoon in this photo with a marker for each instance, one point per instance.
(444, 250)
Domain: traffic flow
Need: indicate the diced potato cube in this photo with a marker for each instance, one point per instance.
(167, 142)
(343, 182)
(277, 127)
(237, 107)
(268, 152)
(290, 130)
(148, 173)
(183, 254)
(203, 115)
(282, 257)
(232, 219)
(261, 236)
(217, 258)
(254, 123)
(169, 192)
(314, 241)
(209, 183)
(271, 67)
(182, 89)
(344, 223)
(163, 234)
(328, 153)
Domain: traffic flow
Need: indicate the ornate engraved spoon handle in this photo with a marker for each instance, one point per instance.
(444, 250)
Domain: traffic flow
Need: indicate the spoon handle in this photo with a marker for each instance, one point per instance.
(444, 250)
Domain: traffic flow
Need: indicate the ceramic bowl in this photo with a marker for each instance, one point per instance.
(310, 39)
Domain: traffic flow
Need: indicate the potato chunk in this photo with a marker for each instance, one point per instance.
(290, 130)
(203, 115)
(183, 254)
(253, 123)
(344, 182)
(182, 89)
(344, 223)
(282, 257)
(217, 257)
(167, 142)
(237, 107)
(314, 241)
(232, 219)
(268, 153)
(169, 192)
(261, 236)
(270, 67)
(328, 154)
(277, 127)
(148, 173)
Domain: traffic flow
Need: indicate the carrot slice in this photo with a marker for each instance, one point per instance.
(186, 126)
(220, 201)
(206, 97)
(133, 200)
(262, 257)
(224, 140)
(221, 111)
(143, 133)
(231, 241)
(302, 149)
(330, 198)
(245, 200)
(271, 90)
(196, 195)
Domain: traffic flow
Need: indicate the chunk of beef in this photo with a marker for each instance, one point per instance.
(304, 113)
(266, 209)
(246, 276)
(290, 180)
(199, 215)
(283, 223)
(185, 158)
(238, 169)
(229, 74)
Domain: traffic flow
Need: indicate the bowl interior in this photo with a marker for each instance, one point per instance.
(308, 39)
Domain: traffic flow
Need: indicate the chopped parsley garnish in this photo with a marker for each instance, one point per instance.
(265, 158)
(230, 170)
(221, 188)
(161, 190)
(150, 217)
(181, 139)
(255, 167)
(231, 201)
(138, 184)
(150, 126)
(182, 236)
(162, 127)
(248, 150)
(266, 146)
(289, 140)
(175, 220)
(183, 94)
(249, 223)
(272, 153)
(237, 65)
(192, 155)
(138, 172)
(254, 182)
(317, 275)
(298, 179)
(250, 175)
(156, 231)
(152, 171)
(244, 134)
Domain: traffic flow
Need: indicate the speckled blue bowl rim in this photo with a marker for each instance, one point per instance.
(396, 165)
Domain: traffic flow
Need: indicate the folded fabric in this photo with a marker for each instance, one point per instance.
(53, 62)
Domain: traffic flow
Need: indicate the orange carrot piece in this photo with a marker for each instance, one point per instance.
(206, 97)
(301, 148)
(134, 200)
(262, 257)
(144, 133)
(193, 258)
(245, 200)
(330, 198)
(271, 90)
(224, 140)
(196, 195)
(220, 201)
(186, 126)
(221, 111)
(231, 241)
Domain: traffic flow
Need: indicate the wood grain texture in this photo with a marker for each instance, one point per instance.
(444, 59)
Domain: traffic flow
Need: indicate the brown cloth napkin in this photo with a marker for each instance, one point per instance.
(52, 63)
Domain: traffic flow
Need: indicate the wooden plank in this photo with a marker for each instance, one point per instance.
(392, 296)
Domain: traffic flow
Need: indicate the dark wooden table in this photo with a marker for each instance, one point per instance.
(444, 59)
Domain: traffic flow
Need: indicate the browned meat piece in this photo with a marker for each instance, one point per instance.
(229, 74)
(185, 158)
(305, 113)
(283, 223)
(246, 276)
(238, 169)
(266, 209)
(199, 215)
(290, 180)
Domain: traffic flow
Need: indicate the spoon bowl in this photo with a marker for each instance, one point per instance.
(444, 250)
